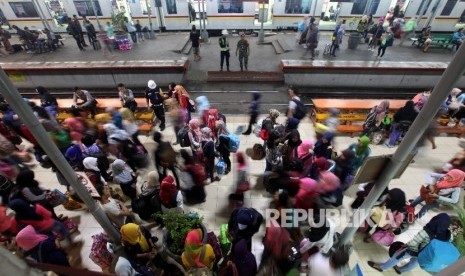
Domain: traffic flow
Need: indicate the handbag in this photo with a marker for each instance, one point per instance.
(220, 167)
(57, 198)
(383, 237)
(229, 269)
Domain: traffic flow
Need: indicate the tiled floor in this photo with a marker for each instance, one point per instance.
(216, 209)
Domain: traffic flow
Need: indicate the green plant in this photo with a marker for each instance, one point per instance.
(178, 226)
(459, 238)
(117, 19)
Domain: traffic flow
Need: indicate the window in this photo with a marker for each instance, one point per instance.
(359, 6)
(423, 3)
(298, 6)
(448, 7)
(373, 7)
(230, 6)
(24, 9)
(84, 7)
(171, 7)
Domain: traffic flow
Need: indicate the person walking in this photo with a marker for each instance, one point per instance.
(224, 49)
(244, 52)
(155, 95)
(131, 29)
(254, 110)
(311, 40)
(194, 38)
(387, 39)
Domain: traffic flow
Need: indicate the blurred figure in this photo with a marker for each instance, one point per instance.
(47, 101)
(171, 197)
(241, 178)
(165, 157)
(254, 110)
(208, 149)
(333, 120)
(124, 177)
(194, 177)
(402, 120)
(203, 105)
(361, 152)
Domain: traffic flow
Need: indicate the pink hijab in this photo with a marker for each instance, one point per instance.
(307, 193)
(304, 148)
(28, 238)
(194, 125)
(328, 182)
(457, 179)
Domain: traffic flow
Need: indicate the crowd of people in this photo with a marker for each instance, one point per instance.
(300, 173)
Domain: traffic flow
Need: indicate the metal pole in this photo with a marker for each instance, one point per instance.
(422, 11)
(95, 14)
(41, 15)
(13, 97)
(451, 75)
(200, 16)
(204, 32)
(261, 34)
(149, 13)
(433, 13)
(314, 8)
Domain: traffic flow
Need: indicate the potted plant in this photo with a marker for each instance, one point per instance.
(177, 226)
(457, 227)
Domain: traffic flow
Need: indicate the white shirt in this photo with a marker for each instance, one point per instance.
(123, 268)
(130, 128)
(318, 265)
(112, 209)
(292, 104)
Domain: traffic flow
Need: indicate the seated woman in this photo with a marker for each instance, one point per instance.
(436, 228)
(403, 118)
(196, 254)
(115, 210)
(124, 176)
(426, 38)
(138, 244)
(323, 146)
(457, 38)
(440, 188)
(171, 197)
(361, 152)
(41, 248)
(375, 117)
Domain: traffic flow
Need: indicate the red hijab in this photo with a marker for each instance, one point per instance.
(277, 240)
(168, 190)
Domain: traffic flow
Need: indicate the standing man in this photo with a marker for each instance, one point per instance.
(126, 97)
(87, 103)
(72, 30)
(131, 29)
(244, 52)
(195, 37)
(156, 97)
(311, 40)
(78, 27)
(91, 33)
(224, 48)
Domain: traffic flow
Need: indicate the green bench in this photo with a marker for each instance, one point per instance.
(438, 40)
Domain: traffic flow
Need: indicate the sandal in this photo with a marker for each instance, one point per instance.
(397, 269)
(372, 264)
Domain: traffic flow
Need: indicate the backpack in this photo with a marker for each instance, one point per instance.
(234, 142)
(437, 255)
(183, 137)
(300, 110)
(370, 121)
(147, 205)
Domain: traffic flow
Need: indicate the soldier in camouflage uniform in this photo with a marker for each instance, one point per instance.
(244, 52)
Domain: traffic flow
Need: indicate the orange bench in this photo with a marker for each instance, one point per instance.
(352, 105)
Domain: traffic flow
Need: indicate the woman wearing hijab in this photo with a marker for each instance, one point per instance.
(277, 246)
(183, 99)
(41, 248)
(202, 105)
(305, 153)
(194, 177)
(39, 217)
(291, 145)
(329, 187)
(273, 154)
(130, 125)
(243, 224)
(307, 194)
(436, 228)
(243, 259)
(361, 152)
(222, 144)
(375, 117)
(75, 125)
(441, 188)
(254, 110)
(269, 123)
(137, 243)
(323, 147)
(319, 165)
(343, 168)
(93, 172)
(123, 175)
(241, 179)
(195, 138)
(208, 149)
(402, 120)
(196, 254)
(171, 197)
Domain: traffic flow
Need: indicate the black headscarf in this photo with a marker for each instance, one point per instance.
(396, 200)
(438, 227)
(292, 134)
(23, 210)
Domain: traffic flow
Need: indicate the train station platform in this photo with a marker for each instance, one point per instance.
(263, 58)
(215, 211)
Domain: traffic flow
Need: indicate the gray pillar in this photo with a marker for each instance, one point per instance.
(15, 100)
(433, 13)
(200, 17)
(454, 71)
(204, 32)
(422, 10)
(314, 8)
(149, 13)
(41, 15)
(261, 34)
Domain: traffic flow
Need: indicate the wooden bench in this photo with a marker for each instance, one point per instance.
(351, 129)
(353, 105)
